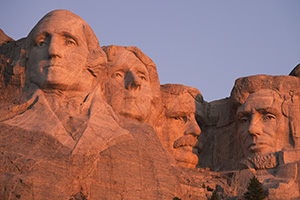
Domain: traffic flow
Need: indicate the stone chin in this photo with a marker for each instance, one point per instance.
(259, 149)
(133, 116)
(185, 157)
(133, 111)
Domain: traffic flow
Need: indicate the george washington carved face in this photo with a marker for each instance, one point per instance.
(58, 53)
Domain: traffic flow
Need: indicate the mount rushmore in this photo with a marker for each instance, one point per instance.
(80, 121)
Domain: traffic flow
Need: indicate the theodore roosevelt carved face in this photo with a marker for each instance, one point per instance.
(180, 130)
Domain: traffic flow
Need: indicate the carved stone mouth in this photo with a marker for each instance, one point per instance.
(186, 149)
(256, 147)
(182, 145)
(52, 67)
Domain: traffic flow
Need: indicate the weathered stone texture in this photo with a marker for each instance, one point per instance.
(80, 122)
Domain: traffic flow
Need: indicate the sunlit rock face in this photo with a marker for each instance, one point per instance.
(177, 127)
(59, 138)
(131, 86)
(266, 107)
(81, 121)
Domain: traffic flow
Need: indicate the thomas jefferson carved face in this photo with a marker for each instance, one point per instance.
(181, 130)
(128, 89)
(57, 58)
(262, 128)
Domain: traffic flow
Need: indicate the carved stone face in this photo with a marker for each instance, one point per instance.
(181, 130)
(128, 89)
(58, 53)
(262, 128)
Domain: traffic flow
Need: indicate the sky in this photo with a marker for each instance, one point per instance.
(206, 44)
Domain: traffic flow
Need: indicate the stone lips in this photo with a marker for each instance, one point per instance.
(69, 138)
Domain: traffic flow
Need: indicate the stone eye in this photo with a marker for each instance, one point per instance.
(118, 75)
(181, 119)
(142, 77)
(70, 42)
(178, 118)
(244, 119)
(41, 43)
(269, 117)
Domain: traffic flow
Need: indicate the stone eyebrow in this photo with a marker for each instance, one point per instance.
(143, 73)
(242, 113)
(39, 34)
(268, 110)
(176, 113)
(142, 70)
(114, 68)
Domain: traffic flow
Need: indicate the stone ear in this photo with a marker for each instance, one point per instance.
(295, 121)
(290, 109)
(285, 106)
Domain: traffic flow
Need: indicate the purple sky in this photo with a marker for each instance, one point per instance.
(204, 44)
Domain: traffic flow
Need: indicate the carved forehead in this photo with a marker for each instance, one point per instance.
(124, 59)
(118, 55)
(180, 104)
(178, 89)
(62, 15)
(264, 99)
(59, 21)
(111, 52)
(179, 98)
(284, 86)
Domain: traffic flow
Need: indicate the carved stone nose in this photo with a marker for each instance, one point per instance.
(192, 128)
(132, 81)
(54, 48)
(254, 127)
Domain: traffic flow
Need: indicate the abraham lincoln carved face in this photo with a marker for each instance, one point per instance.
(267, 110)
(261, 126)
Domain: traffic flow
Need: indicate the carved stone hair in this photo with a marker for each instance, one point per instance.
(295, 71)
(178, 89)
(171, 91)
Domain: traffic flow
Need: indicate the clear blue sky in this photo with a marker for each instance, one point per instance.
(206, 44)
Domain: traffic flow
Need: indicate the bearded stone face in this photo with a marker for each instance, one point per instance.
(261, 126)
